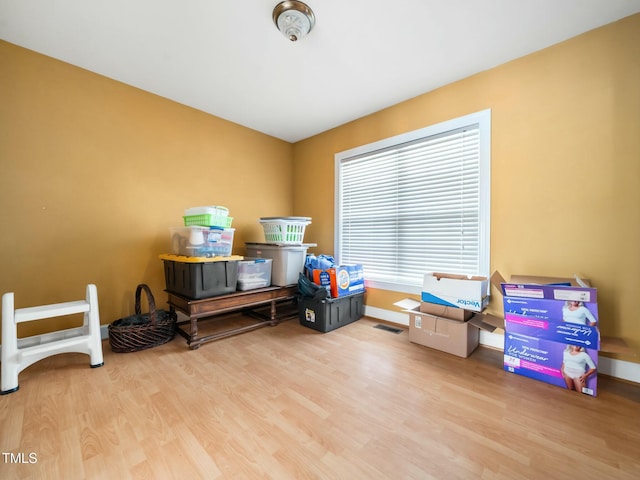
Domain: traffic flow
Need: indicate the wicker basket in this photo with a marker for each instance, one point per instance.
(142, 330)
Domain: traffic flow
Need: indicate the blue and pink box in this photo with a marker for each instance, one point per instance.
(552, 333)
(550, 362)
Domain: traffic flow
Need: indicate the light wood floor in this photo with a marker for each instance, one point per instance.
(287, 402)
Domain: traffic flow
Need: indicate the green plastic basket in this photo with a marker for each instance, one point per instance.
(208, 220)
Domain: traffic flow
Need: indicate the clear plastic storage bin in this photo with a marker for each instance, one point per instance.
(254, 273)
(196, 241)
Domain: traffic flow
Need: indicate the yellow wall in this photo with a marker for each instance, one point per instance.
(93, 173)
(565, 165)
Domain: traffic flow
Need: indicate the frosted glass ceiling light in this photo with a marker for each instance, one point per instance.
(294, 19)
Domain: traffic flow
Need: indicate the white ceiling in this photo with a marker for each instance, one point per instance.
(226, 57)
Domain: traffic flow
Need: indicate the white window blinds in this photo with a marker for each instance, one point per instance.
(413, 205)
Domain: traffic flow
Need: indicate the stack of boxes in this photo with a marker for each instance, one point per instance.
(283, 246)
(344, 302)
(551, 333)
(551, 325)
(206, 233)
(341, 280)
(443, 319)
(201, 264)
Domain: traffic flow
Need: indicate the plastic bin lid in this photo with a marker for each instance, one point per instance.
(187, 259)
(280, 245)
(201, 227)
(207, 210)
(256, 260)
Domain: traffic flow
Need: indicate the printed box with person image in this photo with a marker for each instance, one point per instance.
(568, 366)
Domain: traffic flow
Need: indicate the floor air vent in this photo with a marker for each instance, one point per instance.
(388, 328)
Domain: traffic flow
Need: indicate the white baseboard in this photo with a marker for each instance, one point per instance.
(493, 340)
(607, 366)
(387, 315)
(619, 369)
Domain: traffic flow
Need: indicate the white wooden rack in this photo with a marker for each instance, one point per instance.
(20, 353)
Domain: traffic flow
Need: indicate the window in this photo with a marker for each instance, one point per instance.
(416, 203)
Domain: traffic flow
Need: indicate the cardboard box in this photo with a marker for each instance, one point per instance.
(574, 281)
(555, 310)
(487, 321)
(607, 344)
(543, 360)
(445, 311)
(342, 280)
(563, 332)
(556, 292)
(456, 291)
(450, 336)
(540, 307)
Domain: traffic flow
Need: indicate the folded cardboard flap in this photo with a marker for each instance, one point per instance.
(445, 311)
(497, 279)
(435, 309)
(574, 282)
(408, 304)
(455, 276)
(487, 321)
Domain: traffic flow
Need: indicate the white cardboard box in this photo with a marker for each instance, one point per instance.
(470, 293)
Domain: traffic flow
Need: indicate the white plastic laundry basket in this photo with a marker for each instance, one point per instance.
(284, 230)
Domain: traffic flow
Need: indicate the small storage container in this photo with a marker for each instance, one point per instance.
(196, 278)
(288, 261)
(330, 313)
(208, 216)
(254, 273)
(202, 241)
(208, 220)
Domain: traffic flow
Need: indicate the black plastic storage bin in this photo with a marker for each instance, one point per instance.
(330, 313)
(200, 280)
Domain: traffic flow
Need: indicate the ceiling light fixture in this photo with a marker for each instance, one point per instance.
(294, 19)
